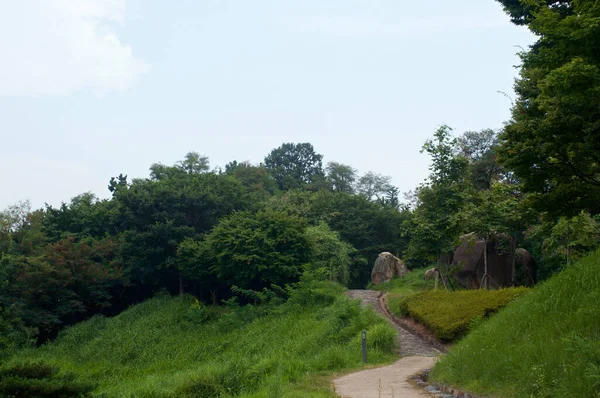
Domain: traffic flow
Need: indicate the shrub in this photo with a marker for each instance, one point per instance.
(449, 314)
(381, 337)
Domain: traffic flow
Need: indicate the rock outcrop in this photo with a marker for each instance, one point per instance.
(387, 266)
(470, 268)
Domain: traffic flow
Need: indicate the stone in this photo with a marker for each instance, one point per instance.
(469, 262)
(387, 267)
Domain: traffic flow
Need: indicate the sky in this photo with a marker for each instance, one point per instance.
(90, 89)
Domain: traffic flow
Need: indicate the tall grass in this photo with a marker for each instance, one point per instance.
(156, 349)
(546, 344)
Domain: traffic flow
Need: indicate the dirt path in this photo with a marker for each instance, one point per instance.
(388, 381)
(410, 344)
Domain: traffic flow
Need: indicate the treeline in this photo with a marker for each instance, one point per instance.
(190, 229)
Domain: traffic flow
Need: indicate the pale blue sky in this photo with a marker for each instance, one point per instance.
(93, 88)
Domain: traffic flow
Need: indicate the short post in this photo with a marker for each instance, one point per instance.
(364, 346)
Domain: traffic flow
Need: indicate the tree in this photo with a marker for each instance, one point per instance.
(294, 165)
(446, 167)
(552, 141)
(84, 215)
(330, 255)
(438, 220)
(194, 163)
(12, 220)
(255, 178)
(341, 177)
(374, 186)
(370, 227)
(157, 215)
(523, 13)
(256, 250)
(195, 264)
(115, 183)
(480, 148)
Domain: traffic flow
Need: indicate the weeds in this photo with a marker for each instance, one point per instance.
(176, 347)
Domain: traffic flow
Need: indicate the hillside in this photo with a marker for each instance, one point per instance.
(545, 345)
(164, 348)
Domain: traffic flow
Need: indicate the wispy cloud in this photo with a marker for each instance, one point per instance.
(362, 26)
(57, 47)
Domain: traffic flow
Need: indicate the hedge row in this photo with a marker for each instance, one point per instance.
(450, 315)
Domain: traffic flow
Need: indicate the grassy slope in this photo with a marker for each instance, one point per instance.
(150, 350)
(545, 344)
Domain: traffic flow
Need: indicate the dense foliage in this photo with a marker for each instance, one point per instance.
(188, 229)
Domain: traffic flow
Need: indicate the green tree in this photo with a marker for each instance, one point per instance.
(330, 255)
(523, 12)
(438, 220)
(294, 166)
(374, 186)
(370, 227)
(552, 141)
(480, 148)
(341, 177)
(157, 215)
(255, 178)
(194, 163)
(256, 250)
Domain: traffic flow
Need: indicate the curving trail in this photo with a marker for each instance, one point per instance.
(388, 381)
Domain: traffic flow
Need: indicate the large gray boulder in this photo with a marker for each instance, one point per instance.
(387, 267)
(468, 262)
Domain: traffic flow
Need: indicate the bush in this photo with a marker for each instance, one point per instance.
(381, 337)
(449, 314)
(40, 380)
(329, 253)
(255, 250)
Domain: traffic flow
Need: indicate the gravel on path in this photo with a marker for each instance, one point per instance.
(410, 344)
(388, 381)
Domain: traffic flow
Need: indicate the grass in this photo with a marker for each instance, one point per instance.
(400, 288)
(546, 344)
(158, 349)
(450, 315)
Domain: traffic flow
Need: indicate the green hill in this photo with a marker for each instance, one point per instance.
(546, 344)
(165, 347)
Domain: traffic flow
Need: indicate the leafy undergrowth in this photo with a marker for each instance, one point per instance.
(166, 347)
(450, 315)
(546, 344)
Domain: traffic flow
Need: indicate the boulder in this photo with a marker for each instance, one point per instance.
(387, 266)
(469, 264)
